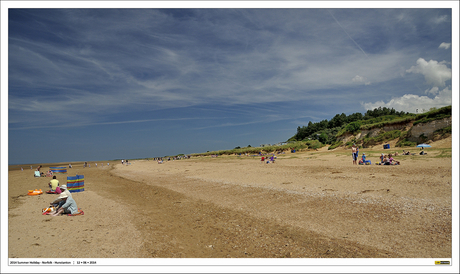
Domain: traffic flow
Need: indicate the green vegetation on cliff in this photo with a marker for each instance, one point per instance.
(330, 132)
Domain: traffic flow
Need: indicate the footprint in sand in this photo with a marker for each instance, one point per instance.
(375, 190)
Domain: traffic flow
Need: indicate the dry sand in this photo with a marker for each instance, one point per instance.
(312, 204)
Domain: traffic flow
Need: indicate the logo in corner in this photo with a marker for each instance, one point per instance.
(442, 262)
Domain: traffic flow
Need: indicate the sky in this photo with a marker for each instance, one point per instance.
(102, 84)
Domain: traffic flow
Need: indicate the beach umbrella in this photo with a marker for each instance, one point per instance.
(423, 145)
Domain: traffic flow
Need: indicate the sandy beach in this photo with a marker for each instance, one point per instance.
(311, 204)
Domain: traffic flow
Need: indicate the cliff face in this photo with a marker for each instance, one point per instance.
(419, 133)
(426, 130)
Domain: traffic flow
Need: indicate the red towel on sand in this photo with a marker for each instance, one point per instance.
(80, 212)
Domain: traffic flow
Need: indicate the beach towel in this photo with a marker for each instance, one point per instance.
(80, 212)
(37, 174)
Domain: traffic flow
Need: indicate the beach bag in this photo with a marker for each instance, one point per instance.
(58, 190)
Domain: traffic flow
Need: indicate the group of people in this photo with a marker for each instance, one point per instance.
(49, 173)
(384, 159)
(89, 165)
(387, 160)
(267, 160)
(64, 204)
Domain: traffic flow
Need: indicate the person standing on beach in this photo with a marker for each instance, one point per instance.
(354, 153)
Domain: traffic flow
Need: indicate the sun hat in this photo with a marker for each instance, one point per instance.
(63, 187)
(63, 195)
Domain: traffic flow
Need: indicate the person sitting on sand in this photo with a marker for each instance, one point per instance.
(58, 202)
(69, 206)
(53, 183)
(363, 158)
(386, 160)
(393, 161)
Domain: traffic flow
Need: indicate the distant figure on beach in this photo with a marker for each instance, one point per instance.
(38, 168)
(96, 164)
(354, 153)
(22, 169)
(70, 165)
(386, 161)
(263, 159)
(393, 161)
(364, 161)
(30, 167)
(122, 162)
(85, 165)
(107, 164)
(53, 183)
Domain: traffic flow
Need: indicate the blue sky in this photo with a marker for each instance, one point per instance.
(101, 84)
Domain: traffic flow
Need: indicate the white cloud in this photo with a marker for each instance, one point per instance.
(433, 90)
(411, 102)
(360, 79)
(436, 74)
(444, 45)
